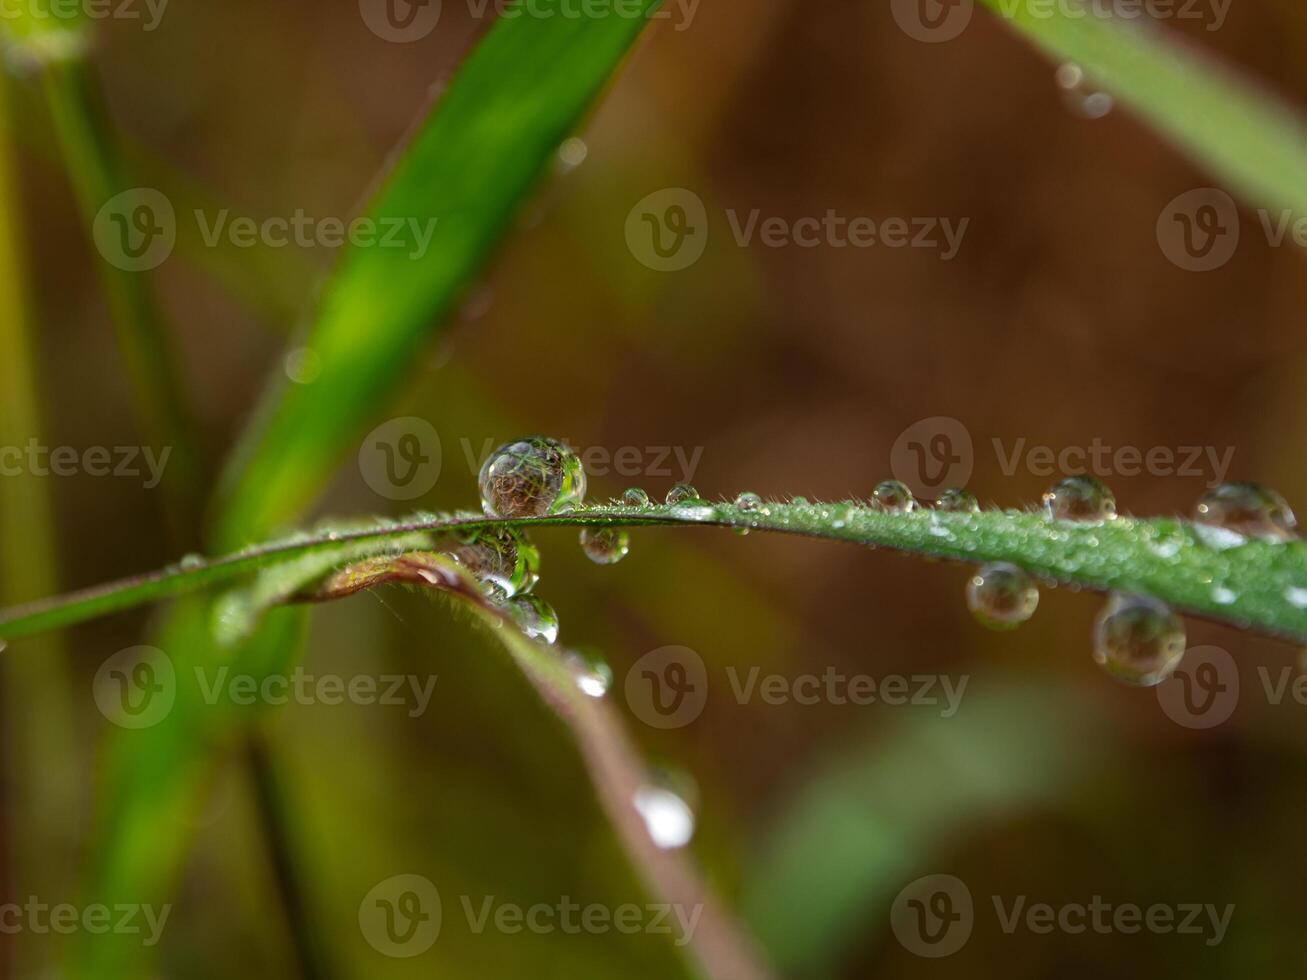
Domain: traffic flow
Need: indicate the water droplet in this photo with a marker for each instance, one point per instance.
(1001, 595)
(748, 501)
(958, 501)
(668, 818)
(191, 562)
(1080, 498)
(799, 501)
(571, 154)
(499, 557)
(1081, 95)
(593, 675)
(1297, 596)
(893, 497)
(536, 617)
(531, 478)
(682, 493)
(605, 545)
(1138, 639)
(635, 497)
(1223, 596)
(302, 365)
(1247, 509)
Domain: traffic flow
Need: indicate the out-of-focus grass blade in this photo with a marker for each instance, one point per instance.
(1243, 135)
(522, 90)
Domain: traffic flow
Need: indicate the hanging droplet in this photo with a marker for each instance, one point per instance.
(956, 500)
(748, 501)
(1138, 639)
(593, 674)
(531, 478)
(605, 545)
(499, 557)
(682, 493)
(635, 497)
(1001, 595)
(1249, 510)
(667, 816)
(1080, 498)
(1082, 96)
(893, 497)
(536, 617)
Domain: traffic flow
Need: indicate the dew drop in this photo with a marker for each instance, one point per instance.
(668, 818)
(571, 154)
(191, 562)
(893, 497)
(958, 501)
(593, 674)
(1223, 596)
(536, 617)
(1247, 509)
(748, 501)
(1081, 95)
(302, 365)
(1080, 498)
(501, 558)
(1001, 595)
(605, 545)
(682, 493)
(1138, 640)
(1297, 596)
(635, 497)
(531, 478)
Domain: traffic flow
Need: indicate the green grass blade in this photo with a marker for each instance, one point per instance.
(520, 92)
(1252, 584)
(1242, 134)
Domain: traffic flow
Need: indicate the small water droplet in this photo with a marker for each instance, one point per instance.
(1080, 498)
(605, 545)
(1081, 95)
(635, 497)
(893, 497)
(1223, 596)
(1002, 596)
(191, 562)
(748, 501)
(958, 501)
(1247, 509)
(499, 557)
(571, 154)
(593, 674)
(531, 478)
(536, 617)
(1138, 640)
(1297, 596)
(668, 818)
(681, 493)
(302, 365)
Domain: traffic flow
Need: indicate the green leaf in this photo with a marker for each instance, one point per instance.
(520, 93)
(1245, 136)
(1253, 584)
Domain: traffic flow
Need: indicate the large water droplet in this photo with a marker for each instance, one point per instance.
(504, 560)
(668, 818)
(1138, 639)
(1082, 96)
(1080, 498)
(748, 501)
(605, 545)
(893, 497)
(1247, 509)
(1001, 595)
(682, 493)
(531, 478)
(955, 500)
(593, 675)
(635, 497)
(536, 617)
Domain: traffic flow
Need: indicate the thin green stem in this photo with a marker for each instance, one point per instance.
(1247, 583)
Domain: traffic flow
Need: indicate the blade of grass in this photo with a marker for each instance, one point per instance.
(1245, 136)
(1251, 584)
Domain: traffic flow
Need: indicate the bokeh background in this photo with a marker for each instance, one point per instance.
(782, 370)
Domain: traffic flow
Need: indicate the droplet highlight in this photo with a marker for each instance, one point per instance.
(667, 817)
